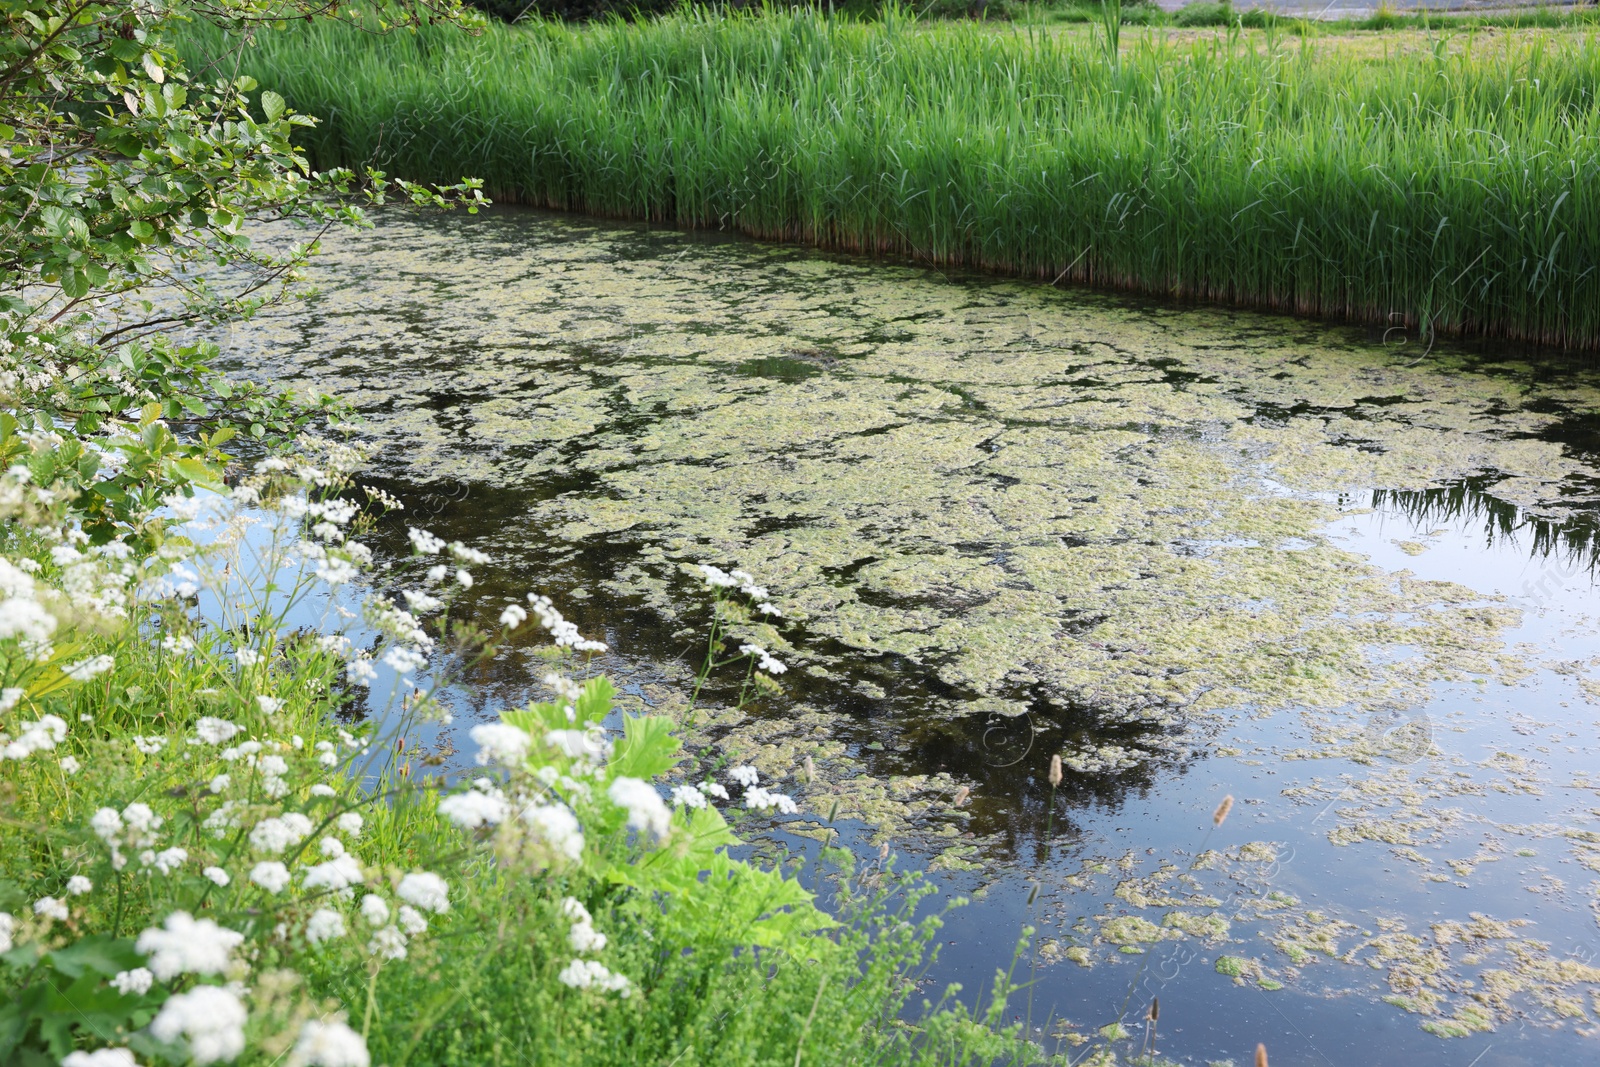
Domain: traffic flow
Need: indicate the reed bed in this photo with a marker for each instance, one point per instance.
(1454, 186)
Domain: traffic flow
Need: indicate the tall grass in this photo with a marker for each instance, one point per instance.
(1456, 187)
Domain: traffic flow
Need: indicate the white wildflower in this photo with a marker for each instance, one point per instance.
(472, 810)
(247, 657)
(186, 945)
(562, 632)
(424, 542)
(763, 800)
(136, 982)
(590, 974)
(501, 743)
(323, 789)
(468, 555)
(336, 644)
(513, 616)
(141, 818)
(169, 860)
(350, 823)
(211, 1017)
(389, 943)
(564, 687)
(717, 578)
(149, 745)
(405, 660)
(100, 1057)
(223, 819)
(325, 924)
(583, 937)
(214, 731)
(688, 796)
(714, 789)
(269, 705)
(588, 745)
(745, 775)
(329, 1044)
(78, 885)
(270, 875)
(274, 835)
(558, 826)
(646, 812)
(764, 660)
(220, 783)
(69, 764)
(335, 875)
(50, 908)
(374, 910)
(106, 823)
(412, 921)
(361, 671)
(426, 890)
(85, 669)
(44, 733)
(8, 927)
(420, 603)
(218, 876)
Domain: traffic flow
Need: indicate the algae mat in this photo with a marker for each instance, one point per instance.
(1188, 550)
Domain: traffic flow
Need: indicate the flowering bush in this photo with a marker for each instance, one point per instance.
(207, 862)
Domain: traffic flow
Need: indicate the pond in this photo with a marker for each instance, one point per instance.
(1347, 579)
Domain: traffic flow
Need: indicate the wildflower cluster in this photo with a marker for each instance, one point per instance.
(238, 829)
(740, 606)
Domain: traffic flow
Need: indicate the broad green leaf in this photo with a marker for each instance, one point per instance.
(647, 748)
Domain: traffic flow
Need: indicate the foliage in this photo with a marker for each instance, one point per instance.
(1449, 189)
(207, 858)
(1204, 13)
(123, 177)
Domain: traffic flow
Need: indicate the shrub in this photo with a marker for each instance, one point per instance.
(1204, 13)
(211, 860)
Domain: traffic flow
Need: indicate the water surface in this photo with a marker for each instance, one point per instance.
(1344, 578)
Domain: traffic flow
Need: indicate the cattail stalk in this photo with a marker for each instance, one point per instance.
(1220, 816)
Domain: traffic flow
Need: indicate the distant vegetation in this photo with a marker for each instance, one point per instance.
(1454, 185)
(1196, 13)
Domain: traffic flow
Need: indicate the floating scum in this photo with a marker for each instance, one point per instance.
(1036, 503)
(1452, 187)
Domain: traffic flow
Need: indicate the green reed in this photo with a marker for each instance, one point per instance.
(1456, 187)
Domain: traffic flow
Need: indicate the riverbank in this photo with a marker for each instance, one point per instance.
(1449, 184)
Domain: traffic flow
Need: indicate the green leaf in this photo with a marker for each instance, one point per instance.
(272, 104)
(196, 471)
(97, 953)
(647, 749)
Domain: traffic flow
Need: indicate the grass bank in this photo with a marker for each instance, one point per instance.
(1454, 185)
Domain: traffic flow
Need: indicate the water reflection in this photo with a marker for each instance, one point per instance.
(1571, 543)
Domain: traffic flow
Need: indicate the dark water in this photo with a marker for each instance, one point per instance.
(1197, 553)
